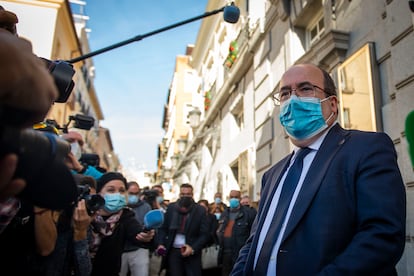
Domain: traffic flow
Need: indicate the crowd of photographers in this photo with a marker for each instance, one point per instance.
(60, 213)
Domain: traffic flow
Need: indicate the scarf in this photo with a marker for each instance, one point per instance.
(180, 217)
(102, 228)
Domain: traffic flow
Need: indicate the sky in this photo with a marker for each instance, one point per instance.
(132, 81)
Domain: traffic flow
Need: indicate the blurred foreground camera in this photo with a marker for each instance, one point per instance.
(62, 72)
(34, 148)
(41, 156)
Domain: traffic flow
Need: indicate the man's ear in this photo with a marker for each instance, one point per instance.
(334, 103)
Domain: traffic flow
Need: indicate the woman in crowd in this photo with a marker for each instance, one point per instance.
(111, 227)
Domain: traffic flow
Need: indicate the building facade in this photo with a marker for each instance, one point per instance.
(181, 100)
(365, 46)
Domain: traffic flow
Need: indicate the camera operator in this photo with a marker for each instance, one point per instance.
(76, 141)
(160, 198)
(27, 88)
(71, 254)
(150, 196)
(31, 235)
(27, 91)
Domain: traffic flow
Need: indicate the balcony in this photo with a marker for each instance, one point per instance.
(329, 50)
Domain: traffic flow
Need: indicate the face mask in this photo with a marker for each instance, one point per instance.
(133, 199)
(217, 200)
(114, 202)
(302, 118)
(185, 201)
(76, 150)
(234, 202)
(160, 199)
(218, 215)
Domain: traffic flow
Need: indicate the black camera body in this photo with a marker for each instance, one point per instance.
(93, 202)
(150, 196)
(41, 156)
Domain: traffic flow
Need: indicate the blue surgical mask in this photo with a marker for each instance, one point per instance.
(76, 150)
(114, 202)
(234, 202)
(302, 117)
(218, 215)
(133, 199)
(160, 199)
(217, 200)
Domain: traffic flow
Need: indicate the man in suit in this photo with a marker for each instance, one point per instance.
(347, 213)
(183, 235)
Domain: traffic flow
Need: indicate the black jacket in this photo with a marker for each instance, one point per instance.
(241, 228)
(107, 260)
(196, 227)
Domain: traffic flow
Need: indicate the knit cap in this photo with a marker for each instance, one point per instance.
(105, 178)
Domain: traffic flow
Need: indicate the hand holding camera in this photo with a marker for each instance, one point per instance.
(81, 221)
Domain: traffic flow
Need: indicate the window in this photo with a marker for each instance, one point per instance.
(347, 118)
(316, 29)
(186, 110)
(358, 108)
(238, 114)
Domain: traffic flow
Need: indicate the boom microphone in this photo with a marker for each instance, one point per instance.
(231, 13)
(409, 133)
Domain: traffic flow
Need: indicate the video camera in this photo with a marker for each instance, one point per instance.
(150, 195)
(41, 155)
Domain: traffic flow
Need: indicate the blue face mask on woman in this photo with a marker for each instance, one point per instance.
(114, 202)
(302, 117)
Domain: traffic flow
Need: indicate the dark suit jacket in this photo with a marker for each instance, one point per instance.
(349, 217)
(196, 228)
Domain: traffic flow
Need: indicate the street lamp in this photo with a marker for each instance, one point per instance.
(181, 144)
(174, 160)
(194, 117)
(167, 173)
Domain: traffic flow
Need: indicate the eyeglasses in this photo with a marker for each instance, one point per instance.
(304, 90)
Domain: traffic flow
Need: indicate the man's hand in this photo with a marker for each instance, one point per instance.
(73, 163)
(25, 82)
(187, 250)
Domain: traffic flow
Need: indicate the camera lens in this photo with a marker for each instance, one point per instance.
(94, 203)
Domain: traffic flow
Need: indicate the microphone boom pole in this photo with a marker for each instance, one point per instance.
(140, 37)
